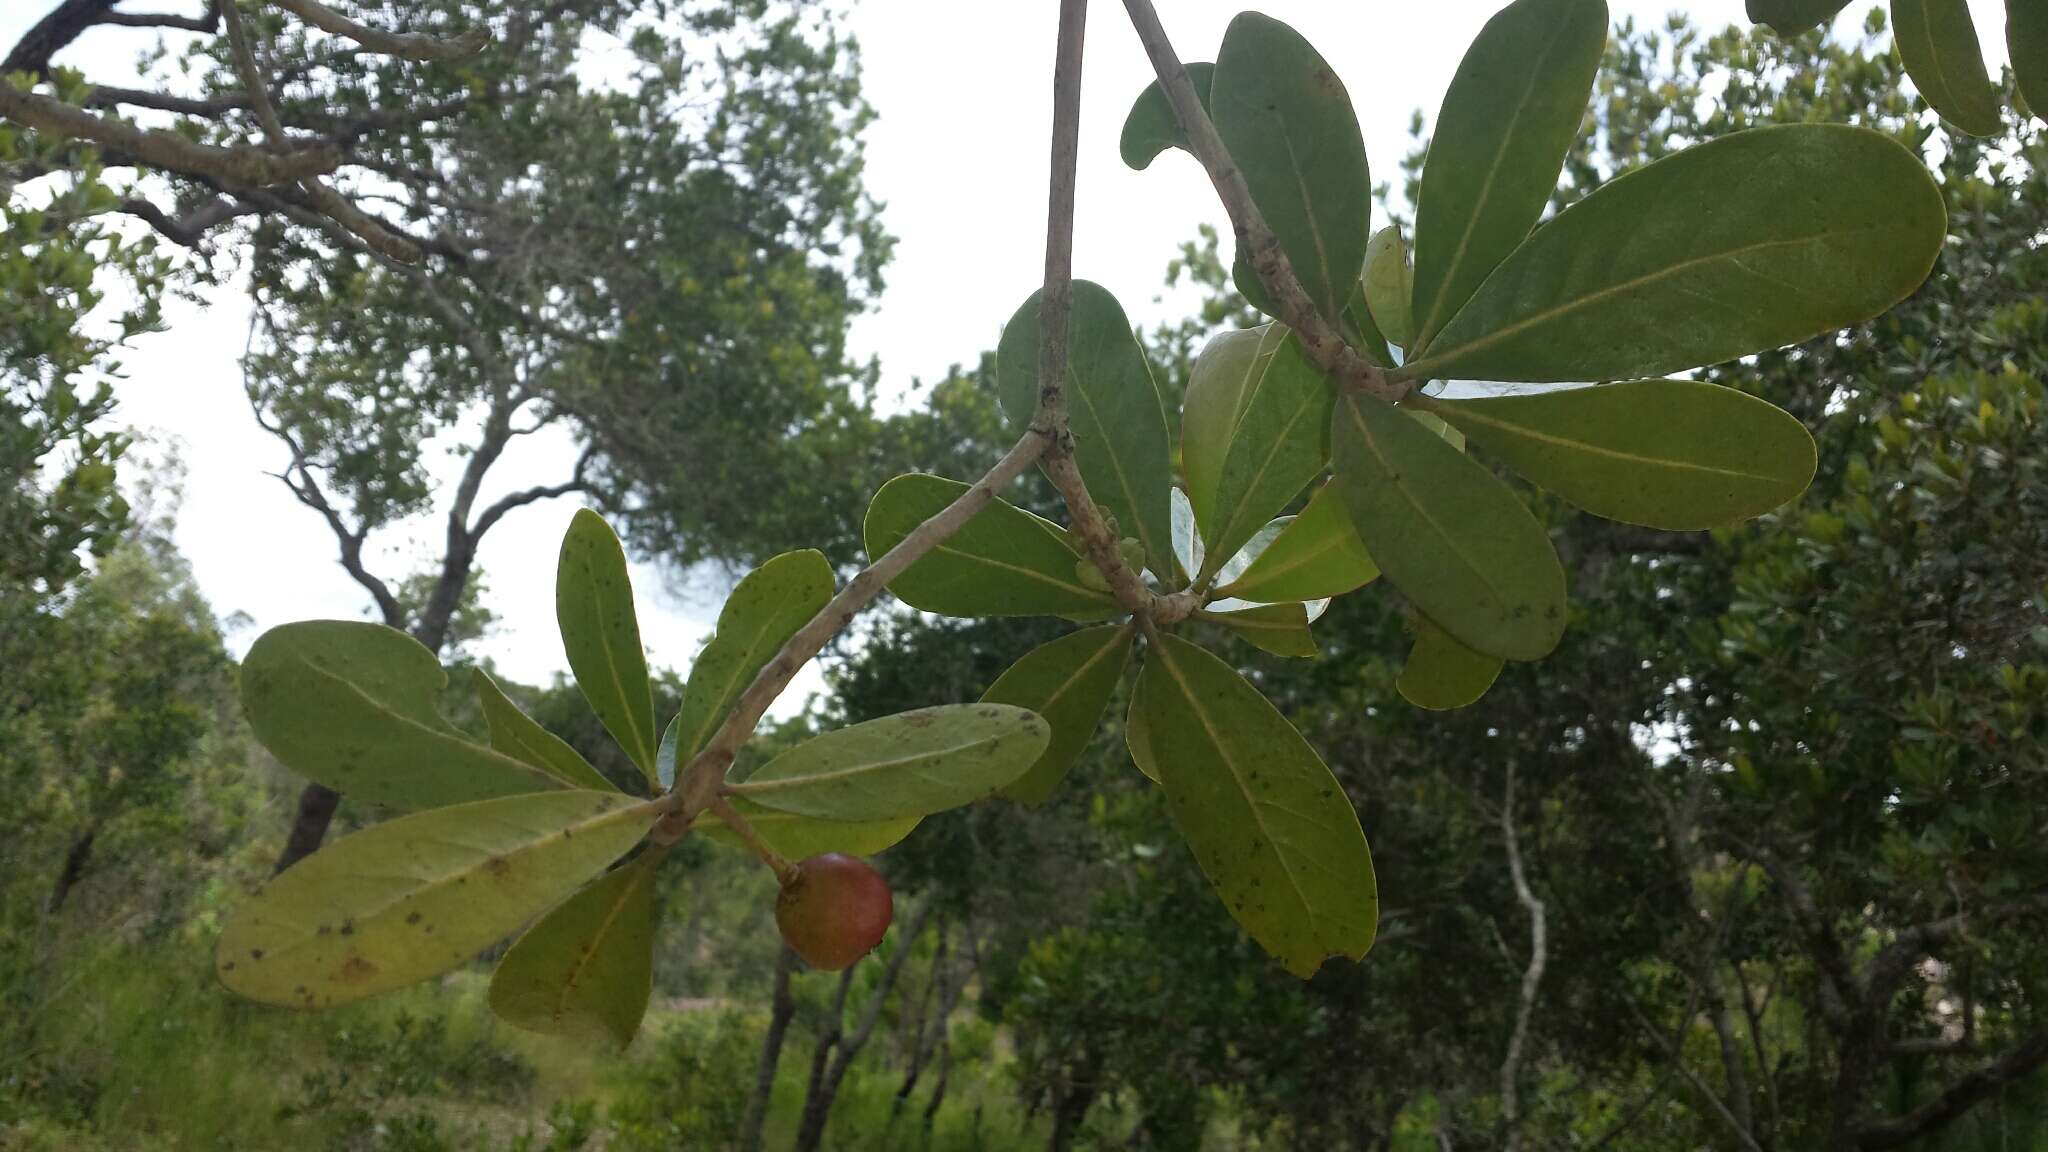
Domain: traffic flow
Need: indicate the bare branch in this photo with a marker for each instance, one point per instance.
(1532, 976)
(699, 782)
(411, 46)
(204, 23)
(191, 228)
(236, 166)
(525, 496)
(1318, 339)
(110, 96)
(1676, 1059)
(2019, 1062)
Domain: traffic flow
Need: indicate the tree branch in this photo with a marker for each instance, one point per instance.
(1319, 340)
(409, 45)
(1532, 976)
(2029, 1054)
(204, 23)
(191, 228)
(235, 166)
(525, 496)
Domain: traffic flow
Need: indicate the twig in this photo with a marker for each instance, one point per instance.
(1532, 976)
(698, 784)
(1319, 340)
(412, 46)
(785, 872)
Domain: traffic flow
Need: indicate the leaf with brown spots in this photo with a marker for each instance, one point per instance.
(1262, 814)
(910, 764)
(417, 896)
(585, 969)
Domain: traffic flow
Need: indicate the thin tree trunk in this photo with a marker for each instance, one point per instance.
(75, 861)
(828, 1067)
(931, 1108)
(779, 1015)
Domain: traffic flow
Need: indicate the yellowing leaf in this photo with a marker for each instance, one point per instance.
(352, 706)
(601, 635)
(909, 764)
(586, 968)
(1003, 562)
(417, 896)
(517, 735)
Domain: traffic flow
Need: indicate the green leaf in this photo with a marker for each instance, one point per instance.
(352, 706)
(1937, 42)
(1288, 124)
(1442, 673)
(1317, 554)
(517, 735)
(417, 896)
(1119, 422)
(601, 635)
(1003, 562)
(1136, 736)
(909, 764)
(1512, 112)
(1254, 433)
(763, 612)
(1447, 532)
(1390, 286)
(1068, 682)
(1151, 127)
(798, 837)
(1755, 240)
(1268, 824)
(1361, 331)
(1281, 629)
(1673, 454)
(2026, 39)
(1791, 17)
(585, 969)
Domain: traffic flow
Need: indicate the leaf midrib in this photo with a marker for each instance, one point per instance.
(1433, 363)
(1401, 485)
(1523, 430)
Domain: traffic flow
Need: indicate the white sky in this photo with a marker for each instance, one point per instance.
(963, 92)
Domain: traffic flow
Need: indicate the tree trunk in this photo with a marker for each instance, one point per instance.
(783, 1008)
(1072, 1108)
(829, 1063)
(317, 802)
(817, 1105)
(75, 861)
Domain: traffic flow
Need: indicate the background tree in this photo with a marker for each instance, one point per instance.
(726, 161)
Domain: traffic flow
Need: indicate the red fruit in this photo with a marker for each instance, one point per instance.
(835, 911)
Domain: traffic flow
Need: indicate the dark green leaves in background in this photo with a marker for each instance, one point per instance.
(1269, 825)
(585, 969)
(1288, 123)
(1512, 112)
(601, 635)
(1937, 42)
(1447, 532)
(1005, 562)
(1673, 454)
(910, 764)
(417, 896)
(352, 706)
(1121, 442)
(766, 609)
(1068, 682)
(1254, 433)
(1747, 242)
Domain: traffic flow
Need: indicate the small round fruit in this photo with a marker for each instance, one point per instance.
(835, 911)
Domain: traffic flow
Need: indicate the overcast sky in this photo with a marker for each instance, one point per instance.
(963, 93)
